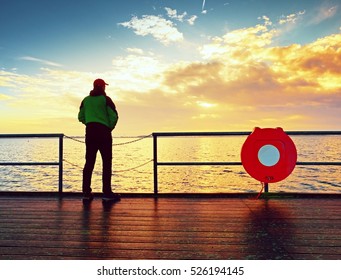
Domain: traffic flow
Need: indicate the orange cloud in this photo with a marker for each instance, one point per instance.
(293, 85)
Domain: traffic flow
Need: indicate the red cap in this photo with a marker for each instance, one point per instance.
(99, 83)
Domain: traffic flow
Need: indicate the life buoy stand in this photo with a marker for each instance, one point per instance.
(269, 155)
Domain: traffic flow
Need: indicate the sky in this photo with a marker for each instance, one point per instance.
(181, 65)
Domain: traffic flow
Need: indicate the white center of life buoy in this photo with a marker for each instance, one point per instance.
(268, 155)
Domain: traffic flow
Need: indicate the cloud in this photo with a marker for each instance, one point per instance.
(239, 43)
(192, 19)
(135, 51)
(173, 14)
(266, 19)
(42, 61)
(203, 11)
(243, 80)
(294, 84)
(292, 18)
(4, 97)
(161, 29)
(136, 72)
(324, 12)
(317, 63)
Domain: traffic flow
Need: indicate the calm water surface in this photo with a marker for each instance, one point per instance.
(171, 178)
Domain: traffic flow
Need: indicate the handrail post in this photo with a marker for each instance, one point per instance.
(266, 187)
(60, 188)
(155, 163)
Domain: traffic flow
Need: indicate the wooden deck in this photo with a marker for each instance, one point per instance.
(39, 227)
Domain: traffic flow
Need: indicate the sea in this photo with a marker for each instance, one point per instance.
(133, 166)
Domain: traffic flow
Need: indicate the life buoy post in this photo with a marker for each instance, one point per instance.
(268, 155)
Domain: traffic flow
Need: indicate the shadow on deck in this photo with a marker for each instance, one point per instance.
(171, 227)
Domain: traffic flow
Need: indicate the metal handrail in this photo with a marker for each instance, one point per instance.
(60, 154)
(156, 163)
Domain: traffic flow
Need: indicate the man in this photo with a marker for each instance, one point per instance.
(98, 112)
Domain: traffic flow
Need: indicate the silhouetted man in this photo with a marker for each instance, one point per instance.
(98, 112)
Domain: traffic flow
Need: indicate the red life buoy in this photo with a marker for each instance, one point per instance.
(269, 155)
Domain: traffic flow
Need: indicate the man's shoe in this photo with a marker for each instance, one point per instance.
(88, 197)
(111, 197)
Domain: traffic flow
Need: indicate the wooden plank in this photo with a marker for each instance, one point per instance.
(170, 228)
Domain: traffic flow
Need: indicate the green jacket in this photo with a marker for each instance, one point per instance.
(98, 108)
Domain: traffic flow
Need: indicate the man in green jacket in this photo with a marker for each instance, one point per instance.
(98, 112)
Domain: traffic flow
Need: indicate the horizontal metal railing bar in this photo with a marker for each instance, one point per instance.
(49, 135)
(171, 134)
(243, 133)
(302, 133)
(182, 163)
(157, 135)
(29, 163)
(197, 163)
(319, 163)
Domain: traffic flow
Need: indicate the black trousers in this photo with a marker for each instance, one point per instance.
(97, 138)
